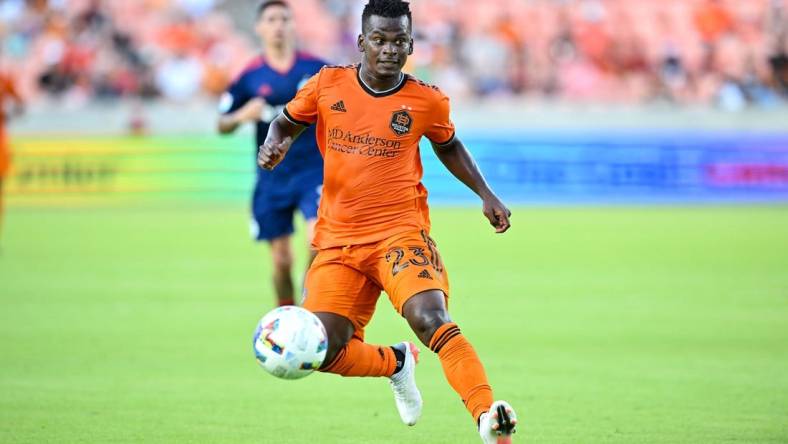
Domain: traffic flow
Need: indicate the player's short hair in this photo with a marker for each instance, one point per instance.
(385, 8)
(268, 3)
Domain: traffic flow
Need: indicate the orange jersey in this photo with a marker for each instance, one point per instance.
(372, 188)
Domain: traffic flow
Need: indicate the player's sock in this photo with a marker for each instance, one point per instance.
(286, 302)
(462, 368)
(400, 356)
(358, 358)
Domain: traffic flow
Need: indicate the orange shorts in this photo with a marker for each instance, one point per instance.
(348, 280)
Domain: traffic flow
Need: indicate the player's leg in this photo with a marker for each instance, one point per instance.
(282, 262)
(272, 222)
(349, 356)
(339, 331)
(429, 318)
(414, 277)
(427, 315)
(344, 299)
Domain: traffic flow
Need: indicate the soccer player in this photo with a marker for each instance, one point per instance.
(258, 96)
(8, 92)
(373, 226)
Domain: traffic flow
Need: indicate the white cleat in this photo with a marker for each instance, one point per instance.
(497, 425)
(406, 394)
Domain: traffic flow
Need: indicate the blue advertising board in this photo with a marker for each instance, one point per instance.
(621, 167)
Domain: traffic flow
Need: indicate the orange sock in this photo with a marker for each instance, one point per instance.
(462, 368)
(361, 359)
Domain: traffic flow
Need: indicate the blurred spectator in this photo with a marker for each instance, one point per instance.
(727, 53)
(778, 60)
(196, 8)
(80, 50)
(179, 78)
(713, 20)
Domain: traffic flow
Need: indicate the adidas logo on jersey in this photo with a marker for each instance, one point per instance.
(339, 106)
(425, 274)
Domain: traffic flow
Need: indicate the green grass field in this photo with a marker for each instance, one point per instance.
(606, 325)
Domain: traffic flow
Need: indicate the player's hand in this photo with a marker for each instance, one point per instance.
(252, 111)
(271, 153)
(497, 213)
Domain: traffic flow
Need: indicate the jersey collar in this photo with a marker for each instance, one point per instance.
(388, 92)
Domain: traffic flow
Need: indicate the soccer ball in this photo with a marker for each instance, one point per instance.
(290, 342)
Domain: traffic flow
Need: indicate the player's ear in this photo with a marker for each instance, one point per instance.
(410, 50)
(360, 43)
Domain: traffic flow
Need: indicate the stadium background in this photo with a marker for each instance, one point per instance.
(641, 296)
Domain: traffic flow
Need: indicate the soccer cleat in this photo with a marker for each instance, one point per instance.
(403, 383)
(497, 425)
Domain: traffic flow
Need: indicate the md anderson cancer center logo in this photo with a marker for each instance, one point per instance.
(362, 144)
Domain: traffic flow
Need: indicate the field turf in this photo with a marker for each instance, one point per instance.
(605, 325)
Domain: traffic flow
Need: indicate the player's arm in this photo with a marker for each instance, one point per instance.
(250, 112)
(453, 154)
(295, 118)
(281, 134)
(239, 105)
(460, 163)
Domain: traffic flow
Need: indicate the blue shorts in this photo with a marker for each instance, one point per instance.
(275, 202)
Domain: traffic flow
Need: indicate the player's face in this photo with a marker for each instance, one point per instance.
(275, 26)
(386, 45)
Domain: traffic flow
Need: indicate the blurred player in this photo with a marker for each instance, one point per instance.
(258, 96)
(372, 233)
(8, 93)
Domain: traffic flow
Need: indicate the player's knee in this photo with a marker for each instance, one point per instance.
(426, 322)
(426, 313)
(283, 261)
(281, 255)
(339, 330)
(334, 347)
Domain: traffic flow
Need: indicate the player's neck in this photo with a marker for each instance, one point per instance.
(378, 83)
(280, 58)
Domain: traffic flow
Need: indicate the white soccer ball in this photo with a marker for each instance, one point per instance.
(290, 342)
